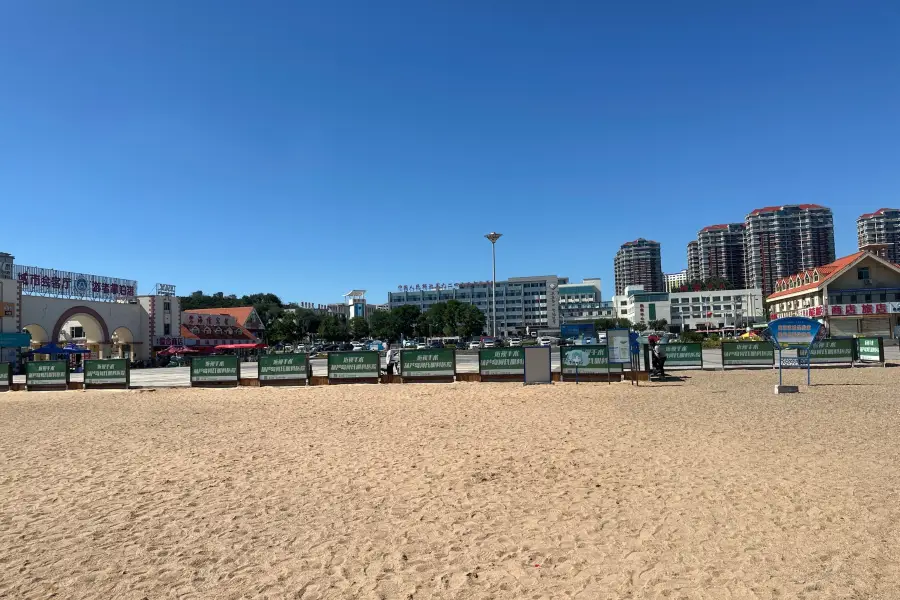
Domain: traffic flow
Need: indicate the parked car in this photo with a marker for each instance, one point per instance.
(488, 343)
(435, 344)
(421, 346)
(545, 341)
(409, 344)
(359, 346)
(515, 342)
(474, 345)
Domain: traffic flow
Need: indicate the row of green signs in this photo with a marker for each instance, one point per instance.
(821, 352)
(109, 372)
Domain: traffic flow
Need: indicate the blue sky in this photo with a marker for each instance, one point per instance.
(308, 148)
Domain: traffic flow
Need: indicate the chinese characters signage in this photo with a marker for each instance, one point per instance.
(553, 304)
(165, 340)
(353, 365)
(794, 330)
(502, 361)
(747, 353)
(852, 310)
(46, 373)
(215, 369)
(106, 372)
(165, 289)
(283, 367)
(36, 281)
(427, 363)
(417, 287)
(9, 309)
(586, 359)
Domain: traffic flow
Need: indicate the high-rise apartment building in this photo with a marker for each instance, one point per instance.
(639, 263)
(783, 240)
(881, 227)
(674, 281)
(693, 260)
(721, 253)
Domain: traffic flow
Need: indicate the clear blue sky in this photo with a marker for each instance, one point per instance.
(308, 148)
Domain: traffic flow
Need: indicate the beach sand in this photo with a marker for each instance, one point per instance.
(711, 487)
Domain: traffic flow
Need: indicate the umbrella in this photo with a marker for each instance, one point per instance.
(54, 349)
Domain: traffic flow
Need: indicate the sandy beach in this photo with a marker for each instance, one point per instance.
(711, 487)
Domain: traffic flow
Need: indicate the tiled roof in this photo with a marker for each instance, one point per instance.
(768, 209)
(826, 272)
(880, 211)
(240, 313)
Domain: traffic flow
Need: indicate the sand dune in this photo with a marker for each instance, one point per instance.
(708, 488)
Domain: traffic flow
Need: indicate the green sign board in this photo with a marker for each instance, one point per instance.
(107, 371)
(365, 364)
(215, 369)
(684, 355)
(870, 349)
(587, 360)
(428, 363)
(42, 373)
(283, 367)
(501, 361)
(5, 376)
(831, 351)
(747, 353)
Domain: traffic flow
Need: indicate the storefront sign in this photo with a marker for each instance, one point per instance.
(215, 369)
(852, 310)
(428, 363)
(283, 367)
(354, 365)
(46, 373)
(870, 349)
(501, 361)
(831, 351)
(166, 341)
(15, 340)
(553, 304)
(107, 372)
(8, 308)
(416, 287)
(67, 284)
(6, 379)
(747, 353)
(164, 289)
(587, 359)
(684, 355)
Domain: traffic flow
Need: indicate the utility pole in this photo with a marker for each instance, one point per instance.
(493, 237)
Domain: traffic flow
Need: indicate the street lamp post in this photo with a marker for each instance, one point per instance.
(493, 237)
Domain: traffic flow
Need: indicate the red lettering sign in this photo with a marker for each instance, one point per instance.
(95, 286)
(868, 309)
(66, 282)
(56, 282)
(850, 310)
(837, 310)
(881, 309)
(114, 288)
(45, 281)
(105, 287)
(23, 277)
(35, 279)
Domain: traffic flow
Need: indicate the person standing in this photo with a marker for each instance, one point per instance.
(390, 356)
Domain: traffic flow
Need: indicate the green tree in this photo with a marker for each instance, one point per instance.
(472, 321)
(359, 328)
(435, 318)
(405, 318)
(334, 329)
(604, 324)
(382, 325)
(640, 327)
(623, 323)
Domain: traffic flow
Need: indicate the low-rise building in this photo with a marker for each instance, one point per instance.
(583, 302)
(716, 309)
(857, 294)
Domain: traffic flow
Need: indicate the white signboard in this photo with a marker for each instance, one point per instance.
(619, 346)
(36, 281)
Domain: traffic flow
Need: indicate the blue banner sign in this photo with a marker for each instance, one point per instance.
(794, 331)
(15, 340)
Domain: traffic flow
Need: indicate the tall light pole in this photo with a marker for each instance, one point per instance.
(493, 237)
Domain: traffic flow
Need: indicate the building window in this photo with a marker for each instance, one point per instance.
(868, 298)
(882, 297)
(167, 306)
(862, 273)
(167, 329)
(852, 298)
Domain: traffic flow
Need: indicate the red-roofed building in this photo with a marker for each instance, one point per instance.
(881, 227)
(244, 316)
(855, 294)
(214, 327)
(783, 240)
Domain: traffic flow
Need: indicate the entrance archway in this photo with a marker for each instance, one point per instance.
(91, 331)
(122, 343)
(39, 335)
